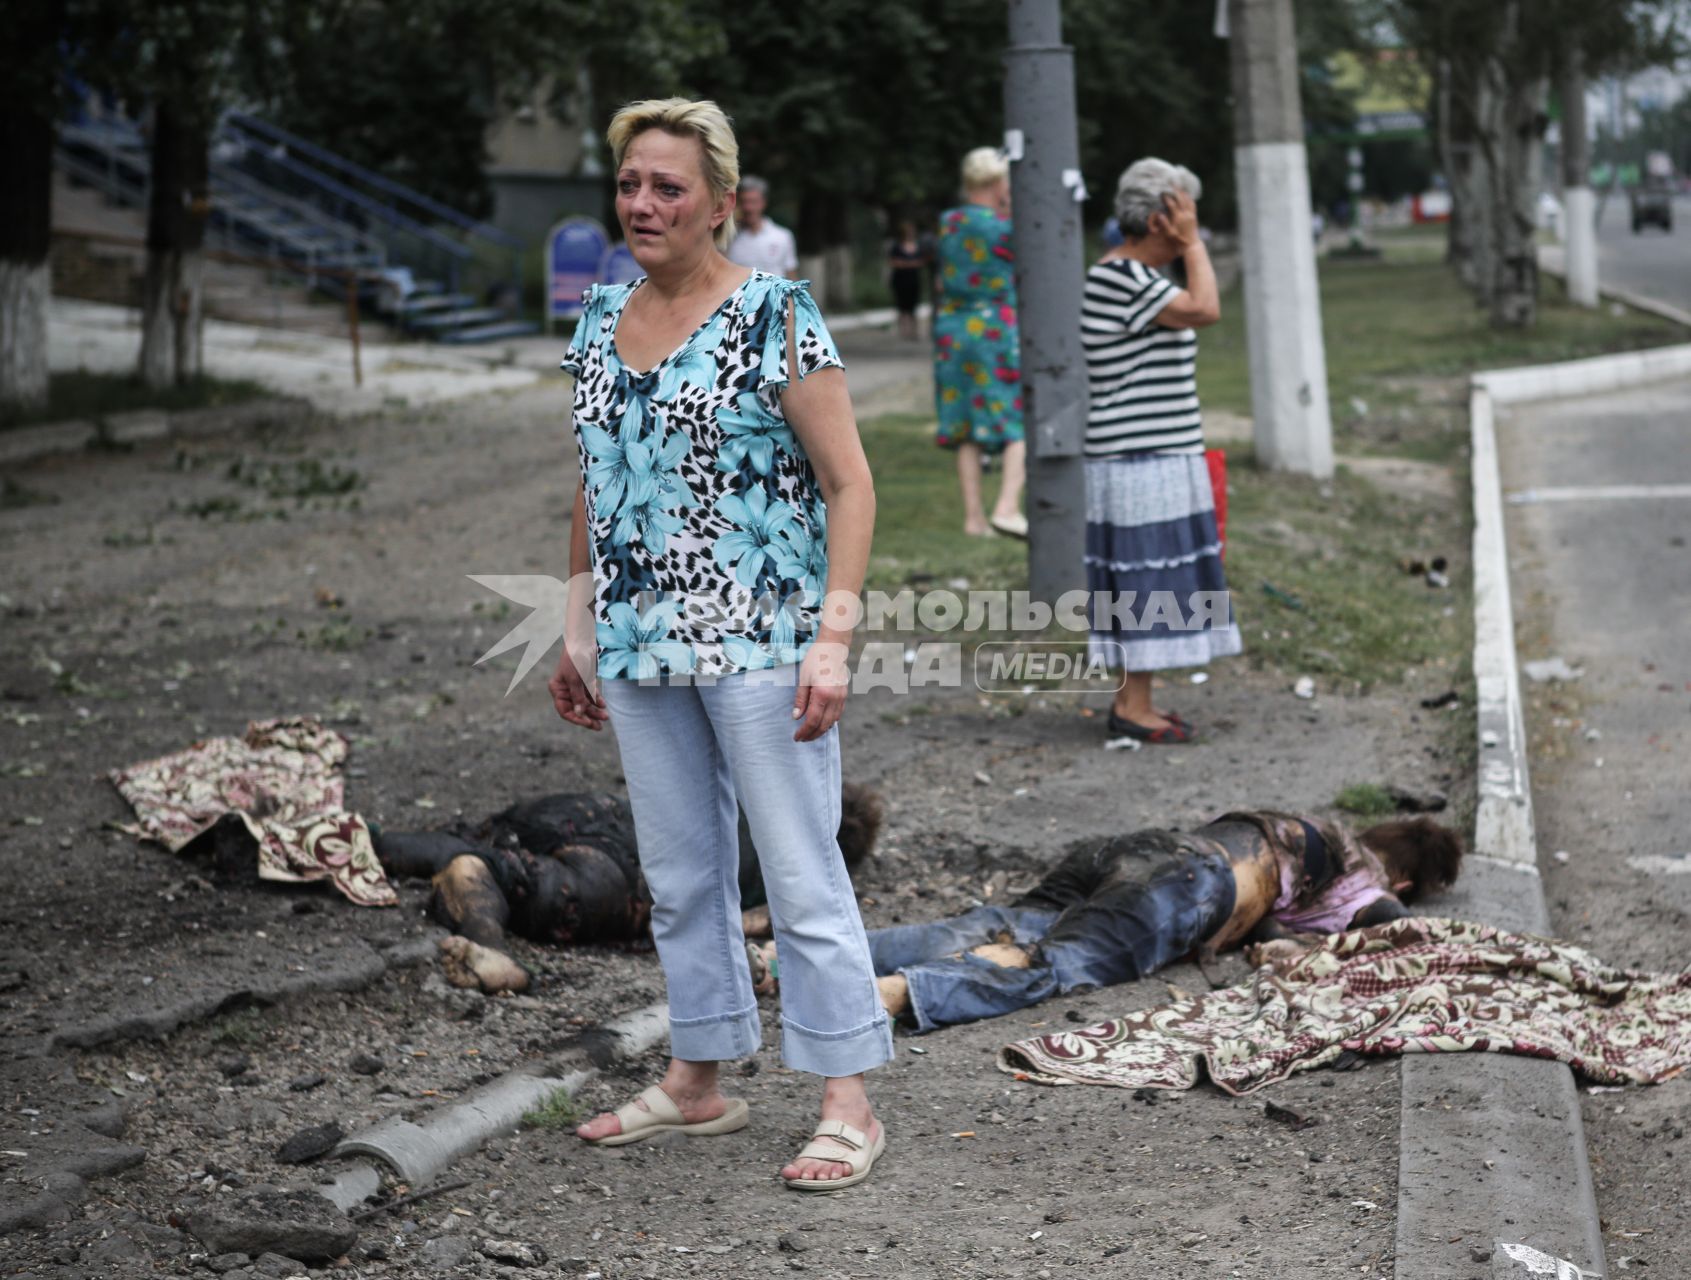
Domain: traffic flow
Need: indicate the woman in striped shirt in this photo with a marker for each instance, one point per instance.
(1153, 554)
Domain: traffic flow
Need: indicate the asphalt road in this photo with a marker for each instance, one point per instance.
(1599, 531)
(1652, 262)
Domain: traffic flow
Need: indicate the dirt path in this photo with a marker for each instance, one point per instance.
(134, 625)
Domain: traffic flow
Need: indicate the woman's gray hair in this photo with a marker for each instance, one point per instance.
(1140, 192)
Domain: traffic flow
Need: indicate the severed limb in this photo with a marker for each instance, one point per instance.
(467, 900)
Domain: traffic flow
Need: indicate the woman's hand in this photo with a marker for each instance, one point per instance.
(576, 697)
(824, 681)
(1179, 222)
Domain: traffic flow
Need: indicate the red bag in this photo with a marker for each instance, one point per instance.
(1217, 461)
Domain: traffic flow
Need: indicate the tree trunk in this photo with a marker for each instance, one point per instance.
(838, 257)
(172, 316)
(26, 220)
(1579, 219)
(1461, 99)
(1515, 129)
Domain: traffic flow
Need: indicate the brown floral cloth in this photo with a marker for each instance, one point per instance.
(1419, 985)
(282, 782)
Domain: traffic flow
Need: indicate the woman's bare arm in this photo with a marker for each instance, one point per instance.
(1199, 303)
(818, 408)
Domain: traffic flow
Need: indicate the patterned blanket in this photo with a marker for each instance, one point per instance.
(282, 781)
(1419, 985)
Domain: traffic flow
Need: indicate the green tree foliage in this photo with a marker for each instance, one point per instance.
(1492, 65)
(842, 104)
(410, 87)
(855, 102)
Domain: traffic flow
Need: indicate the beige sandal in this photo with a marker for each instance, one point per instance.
(860, 1159)
(661, 1115)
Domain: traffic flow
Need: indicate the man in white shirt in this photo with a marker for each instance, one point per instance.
(761, 242)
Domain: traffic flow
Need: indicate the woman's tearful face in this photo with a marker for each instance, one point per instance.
(664, 204)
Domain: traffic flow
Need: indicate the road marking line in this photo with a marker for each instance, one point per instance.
(1596, 493)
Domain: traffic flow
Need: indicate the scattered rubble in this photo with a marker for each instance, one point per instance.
(310, 1143)
(514, 1253)
(296, 1224)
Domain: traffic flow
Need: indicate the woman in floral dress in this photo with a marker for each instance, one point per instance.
(724, 521)
(977, 358)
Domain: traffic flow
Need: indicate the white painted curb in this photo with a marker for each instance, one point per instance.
(1585, 377)
(1503, 826)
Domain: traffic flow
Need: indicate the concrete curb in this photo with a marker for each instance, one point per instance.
(1584, 377)
(418, 1153)
(1492, 1165)
(30, 444)
(26, 444)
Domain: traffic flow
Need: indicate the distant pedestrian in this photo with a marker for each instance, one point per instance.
(977, 350)
(759, 241)
(725, 496)
(907, 262)
(1152, 545)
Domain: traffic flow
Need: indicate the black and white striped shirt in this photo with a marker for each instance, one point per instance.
(1144, 398)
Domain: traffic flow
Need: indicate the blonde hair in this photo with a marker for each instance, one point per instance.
(984, 166)
(719, 151)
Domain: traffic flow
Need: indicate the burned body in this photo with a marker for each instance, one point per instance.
(564, 870)
(1116, 909)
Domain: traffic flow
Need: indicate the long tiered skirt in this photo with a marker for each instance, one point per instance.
(1153, 551)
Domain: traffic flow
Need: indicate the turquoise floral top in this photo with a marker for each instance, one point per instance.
(709, 536)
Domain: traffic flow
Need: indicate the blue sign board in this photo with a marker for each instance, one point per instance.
(618, 265)
(574, 250)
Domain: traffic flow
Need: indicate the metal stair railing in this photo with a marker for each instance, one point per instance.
(330, 178)
(351, 170)
(407, 239)
(115, 162)
(316, 223)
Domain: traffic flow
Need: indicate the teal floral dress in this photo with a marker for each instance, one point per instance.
(977, 355)
(709, 536)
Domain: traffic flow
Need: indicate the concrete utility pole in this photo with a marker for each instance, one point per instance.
(1579, 204)
(1046, 190)
(1294, 430)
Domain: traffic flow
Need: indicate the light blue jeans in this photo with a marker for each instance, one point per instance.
(688, 752)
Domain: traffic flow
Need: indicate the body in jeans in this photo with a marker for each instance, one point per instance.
(1114, 910)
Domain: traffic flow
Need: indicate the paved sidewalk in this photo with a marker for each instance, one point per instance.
(312, 367)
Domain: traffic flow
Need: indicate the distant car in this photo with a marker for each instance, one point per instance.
(1652, 204)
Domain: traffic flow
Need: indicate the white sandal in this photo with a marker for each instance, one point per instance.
(661, 1115)
(860, 1159)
